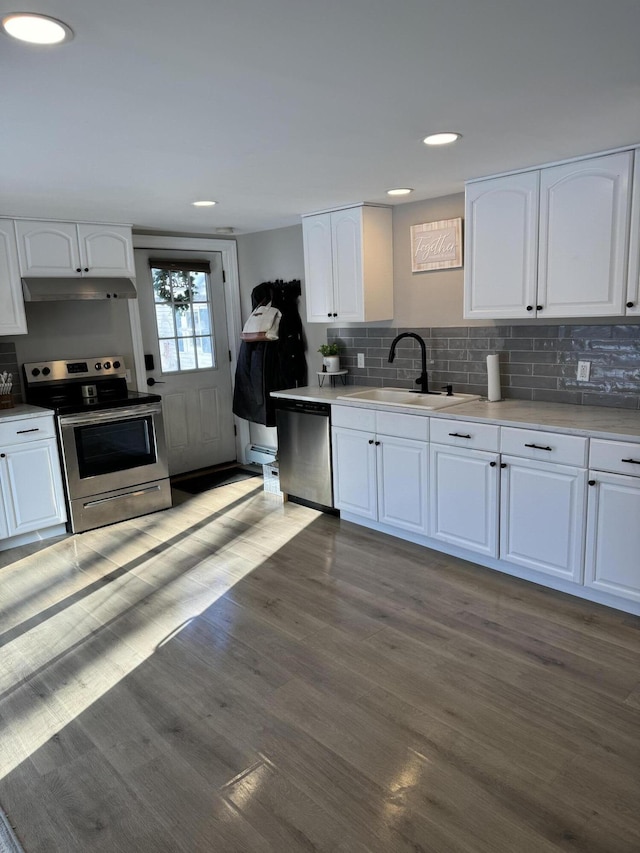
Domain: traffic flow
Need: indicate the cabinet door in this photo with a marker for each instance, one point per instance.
(48, 248)
(613, 535)
(106, 250)
(464, 498)
(354, 472)
(584, 221)
(32, 487)
(403, 467)
(542, 516)
(633, 282)
(318, 268)
(12, 317)
(501, 247)
(348, 284)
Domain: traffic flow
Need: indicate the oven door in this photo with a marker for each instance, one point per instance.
(113, 449)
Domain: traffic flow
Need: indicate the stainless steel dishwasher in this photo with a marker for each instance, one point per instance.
(304, 451)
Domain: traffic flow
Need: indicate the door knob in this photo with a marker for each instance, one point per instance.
(152, 381)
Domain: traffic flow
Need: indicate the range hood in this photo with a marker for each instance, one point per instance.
(67, 289)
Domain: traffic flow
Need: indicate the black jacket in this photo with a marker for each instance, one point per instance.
(271, 366)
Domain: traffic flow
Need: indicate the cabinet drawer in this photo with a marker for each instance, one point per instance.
(26, 429)
(353, 417)
(619, 457)
(465, 434)
(402, 426)
(544, 446)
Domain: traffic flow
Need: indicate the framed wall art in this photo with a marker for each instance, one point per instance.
(436, 245)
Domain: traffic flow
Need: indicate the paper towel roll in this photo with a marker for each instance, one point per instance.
(493, 379)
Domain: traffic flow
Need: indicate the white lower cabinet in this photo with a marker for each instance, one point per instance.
(542, 509)
(463, 498)
(381, 470)
(612, 563)
(31, 492)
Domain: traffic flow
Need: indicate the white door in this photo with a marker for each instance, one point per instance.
(542, 510)
(501, 247)
(32, 485)
(346, 238)
(584, 216)
(464, 498)
(318, 268)
(184, 328)
(613, 535)
(354, 472)
(48, 248)
(403, 466)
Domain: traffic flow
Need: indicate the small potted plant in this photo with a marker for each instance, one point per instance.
(330, 357)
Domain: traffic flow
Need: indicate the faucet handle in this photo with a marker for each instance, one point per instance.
(449, 390)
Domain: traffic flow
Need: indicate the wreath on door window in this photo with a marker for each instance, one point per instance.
(180, 299)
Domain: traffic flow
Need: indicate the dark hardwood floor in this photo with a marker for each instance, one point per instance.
(236, 674)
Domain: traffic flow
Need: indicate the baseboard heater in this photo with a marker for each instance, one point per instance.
(260, 454)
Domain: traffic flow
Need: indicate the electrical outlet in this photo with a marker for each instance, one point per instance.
(127, 376)
(584, 371)
(360, 359)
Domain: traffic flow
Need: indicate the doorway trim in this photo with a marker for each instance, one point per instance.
(229, 251)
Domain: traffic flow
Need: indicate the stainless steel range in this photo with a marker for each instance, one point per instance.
(111, 439)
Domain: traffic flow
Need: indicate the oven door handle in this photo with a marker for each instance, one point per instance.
(111, 415)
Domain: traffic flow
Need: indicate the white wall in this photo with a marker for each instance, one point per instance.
(266, 256)
(59, 330)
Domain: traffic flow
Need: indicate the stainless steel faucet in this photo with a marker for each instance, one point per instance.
(423, 379)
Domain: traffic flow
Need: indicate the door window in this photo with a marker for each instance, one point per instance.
(182, 303)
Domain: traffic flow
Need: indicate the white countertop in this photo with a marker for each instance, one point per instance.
(22, 410)
(595, 421)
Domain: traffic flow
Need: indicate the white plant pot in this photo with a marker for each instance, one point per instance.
(332, 363)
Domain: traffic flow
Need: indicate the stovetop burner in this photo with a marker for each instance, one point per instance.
(71, 387)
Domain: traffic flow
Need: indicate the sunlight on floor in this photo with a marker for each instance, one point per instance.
(82, 613)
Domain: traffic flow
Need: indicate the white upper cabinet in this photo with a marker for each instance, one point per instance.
(584, 224)
(67, 249)
(501, 247)
(551, 242)
(12, 317)
(348, 260)
(633, 284)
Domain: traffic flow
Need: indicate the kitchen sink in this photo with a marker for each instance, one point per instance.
(408, 399)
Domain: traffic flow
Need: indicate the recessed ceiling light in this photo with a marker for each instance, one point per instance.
(400, 191)
(441, 138)
(203, 203)
(227, 229)
(37, 29)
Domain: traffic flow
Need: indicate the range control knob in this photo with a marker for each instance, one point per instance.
(116, 364)
(35, 371)
(107, 365)
(46, 371)
(97, 365)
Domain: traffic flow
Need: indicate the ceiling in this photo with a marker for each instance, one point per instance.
(275, 108)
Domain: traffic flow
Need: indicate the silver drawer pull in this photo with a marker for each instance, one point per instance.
(135, 494)
(22, 431)
(459, 435)
(539, 446)
(633, 461)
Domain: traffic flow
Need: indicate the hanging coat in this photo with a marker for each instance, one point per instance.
(273, 365)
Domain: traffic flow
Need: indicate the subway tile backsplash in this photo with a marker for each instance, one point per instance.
(536, 362)
(9, 364)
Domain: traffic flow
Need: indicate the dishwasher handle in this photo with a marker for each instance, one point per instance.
(304, 407)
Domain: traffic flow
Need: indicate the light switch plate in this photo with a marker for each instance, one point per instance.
(360, 359)
(584, 371)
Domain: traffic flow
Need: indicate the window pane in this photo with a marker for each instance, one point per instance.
(204, 352)
(201, 319)
(187, 353)
(199, 287)
(168, 356)
(184, 322)
(164, 320)
(161, 285)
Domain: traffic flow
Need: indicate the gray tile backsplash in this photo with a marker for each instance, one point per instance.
(536, 362)
(9, 364)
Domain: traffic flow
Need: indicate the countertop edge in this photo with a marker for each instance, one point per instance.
(621, 424)
(21, 411)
